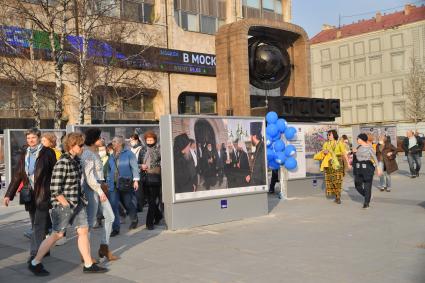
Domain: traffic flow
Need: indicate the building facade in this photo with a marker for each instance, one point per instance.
(366, 65)
(182, 34)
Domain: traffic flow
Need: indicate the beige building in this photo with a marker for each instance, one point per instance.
(184, 70)
(366, 64)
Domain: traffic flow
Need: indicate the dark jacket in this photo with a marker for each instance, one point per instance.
(258, 175)
(390, 164)
(183, 173)
(42, 176)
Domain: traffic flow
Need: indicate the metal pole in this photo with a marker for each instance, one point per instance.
(283, 180)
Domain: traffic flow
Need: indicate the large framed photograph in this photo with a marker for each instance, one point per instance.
(216, 156)
(112, 130)
(2, 164)
(15, 144)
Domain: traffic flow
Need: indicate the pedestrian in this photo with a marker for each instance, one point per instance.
(34, 171)
(136, 147)
(123, 182)
(69, 206)
(274, 180)
(365, 168)
(413, 151)
(331, 156)
(96, 190)
(183, 165)
(386, 154)
(49, 140)
(150, 160)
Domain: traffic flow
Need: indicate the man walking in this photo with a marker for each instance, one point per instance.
(413, 150)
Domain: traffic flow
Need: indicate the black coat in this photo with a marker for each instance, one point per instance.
(42, 176)
(183, 173)
(258, 175)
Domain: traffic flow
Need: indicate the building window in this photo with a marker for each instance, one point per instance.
(326, 73)
(266, 9)
(137, 10)
(121, 104)
(203, 16)
(197, 103)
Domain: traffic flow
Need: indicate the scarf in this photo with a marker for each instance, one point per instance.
(35, 151)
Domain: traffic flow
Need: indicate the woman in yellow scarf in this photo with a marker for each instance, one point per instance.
(331, 157)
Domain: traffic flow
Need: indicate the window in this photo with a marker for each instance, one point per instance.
(252, 3)
(375, 65)
(268, 5)
(137, 10)
(325, 54)
(377, 89)
(397, 61)
(203, 16)
(344, 70)
(326, 73)
(267, 9)
(346, 93)
(358, 48)
(197, 103)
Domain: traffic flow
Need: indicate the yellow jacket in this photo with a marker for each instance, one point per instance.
(335, 149)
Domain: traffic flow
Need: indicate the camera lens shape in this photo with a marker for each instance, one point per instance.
(269, 64)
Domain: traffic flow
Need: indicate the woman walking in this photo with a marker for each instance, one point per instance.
(386, 154)
(123, 182)
(365, 168)
(150, 160)
(332, 155)
(96, 189)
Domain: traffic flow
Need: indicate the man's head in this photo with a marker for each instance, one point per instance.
(209, 147)
(409, 133)
(255, 131)
(33, 136)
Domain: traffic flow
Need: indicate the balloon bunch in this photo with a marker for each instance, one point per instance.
(279, 154)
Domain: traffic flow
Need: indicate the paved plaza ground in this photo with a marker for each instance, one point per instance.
(307, 238)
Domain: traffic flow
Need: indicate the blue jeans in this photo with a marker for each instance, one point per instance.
(130, 202)
(94, 204)
(385, 178)
(414, 163)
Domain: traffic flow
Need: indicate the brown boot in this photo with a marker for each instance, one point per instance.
(105, 252)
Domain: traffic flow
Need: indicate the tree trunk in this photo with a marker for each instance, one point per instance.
(57, 57)
(34, 88)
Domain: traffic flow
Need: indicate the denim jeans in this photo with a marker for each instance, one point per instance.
(62, 217)
(414, 163)
(130, 202)
(94, 204)
(385, 178)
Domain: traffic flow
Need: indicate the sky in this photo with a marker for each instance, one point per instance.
(312, 14)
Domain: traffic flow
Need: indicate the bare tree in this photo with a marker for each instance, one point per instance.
(51, 17)
(98, 24)
(415, 92)
(19, 64)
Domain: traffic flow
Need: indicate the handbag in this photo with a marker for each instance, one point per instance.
(25, 195)
(125, 184)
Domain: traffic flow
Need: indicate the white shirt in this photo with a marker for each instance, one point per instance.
(195, 159)
(412, 141)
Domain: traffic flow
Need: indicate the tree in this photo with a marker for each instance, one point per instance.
(97, 25)
(52, 18)
(19, 64)
(415, 92)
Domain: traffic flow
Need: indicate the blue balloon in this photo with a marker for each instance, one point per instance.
(280, 158)
(281, 125)
(269, 141)
(290, 133)
(271, 117)
(273, 165)
(272, 130)
(291, 163)
(276, 138)
(271, 155)
(290, 150)
(279, 146)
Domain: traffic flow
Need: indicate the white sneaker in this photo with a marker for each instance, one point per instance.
(61, 242)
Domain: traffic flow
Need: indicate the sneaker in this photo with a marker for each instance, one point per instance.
(388, 189)
(365, 206)
(413, 176)
(150, 227)
(38, 270)
(61, 241)
(94, 268)
(382, 189)
(114, 233)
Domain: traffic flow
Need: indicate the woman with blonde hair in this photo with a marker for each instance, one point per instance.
(49, 140)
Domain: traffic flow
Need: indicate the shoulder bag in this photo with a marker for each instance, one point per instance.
(125, 184)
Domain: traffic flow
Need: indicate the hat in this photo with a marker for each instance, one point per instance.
(180, 142)
(255, 128)
(363, 137)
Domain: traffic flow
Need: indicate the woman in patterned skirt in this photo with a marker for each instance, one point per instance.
(334, 152)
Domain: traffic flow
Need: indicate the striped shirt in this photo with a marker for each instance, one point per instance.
(66, 181)
(366, 153)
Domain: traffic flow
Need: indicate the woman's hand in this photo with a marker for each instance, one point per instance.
(389, 153)
(103, 197)
(6, 201)
(326, 151)
(136, 185)
(144, 167)
(379, 171)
